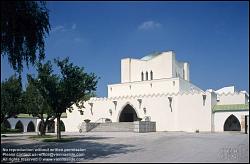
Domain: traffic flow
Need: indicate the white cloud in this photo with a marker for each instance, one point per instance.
(149, 25)
(61, 28)
(58, 28)
(73, 26)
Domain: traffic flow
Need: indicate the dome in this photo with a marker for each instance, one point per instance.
(150, 56)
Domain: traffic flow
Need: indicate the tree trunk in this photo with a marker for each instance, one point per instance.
(43, 128)
(58, 128)
(2, 120)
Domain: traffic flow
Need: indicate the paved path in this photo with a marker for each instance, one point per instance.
(147, 147)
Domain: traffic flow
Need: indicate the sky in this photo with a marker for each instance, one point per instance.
(213, 37)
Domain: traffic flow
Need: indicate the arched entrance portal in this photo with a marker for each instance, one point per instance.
(128, 114)
(62, 126)
(232, 124)
(31, 127)
(51, 127)
(19, 126)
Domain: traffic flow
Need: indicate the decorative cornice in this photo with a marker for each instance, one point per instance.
(146, 96)
(230, 93)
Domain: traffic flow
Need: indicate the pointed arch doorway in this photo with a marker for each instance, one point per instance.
(232, 124)
(31, 127)
(128, 114)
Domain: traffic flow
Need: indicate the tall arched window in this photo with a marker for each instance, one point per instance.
(142, 76)
(146, 75)
(151, 75)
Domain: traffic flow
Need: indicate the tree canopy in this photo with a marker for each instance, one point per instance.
(36, 105)
(71, 87)
(11, 98)
(24, 25)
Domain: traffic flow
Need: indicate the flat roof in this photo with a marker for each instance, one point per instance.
(231, 107)
(25, 115)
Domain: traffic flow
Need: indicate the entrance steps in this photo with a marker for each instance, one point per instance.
(112, 127)
(137, 126)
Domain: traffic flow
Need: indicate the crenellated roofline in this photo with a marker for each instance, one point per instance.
(147, 95)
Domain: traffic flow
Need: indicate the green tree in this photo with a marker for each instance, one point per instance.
(11, 98)
(71, 86)
(36, 105)
(24, 25)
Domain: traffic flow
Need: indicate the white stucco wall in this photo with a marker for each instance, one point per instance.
(24, 121)
(232, 98)
(192, 114)
(36, 121)
(179, 69)
(229, 89)
(171, 85)
(157, 107)
(187, 112)
(220, 118)
(162, 66)
(185, 85)
(73, 120)
(144, 87)
(125, 70)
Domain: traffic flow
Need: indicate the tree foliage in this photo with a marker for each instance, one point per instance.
(24, 25)
(71, 86)
(11, 98)
(36, 105)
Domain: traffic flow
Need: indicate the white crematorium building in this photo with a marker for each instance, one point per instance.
(156, 94)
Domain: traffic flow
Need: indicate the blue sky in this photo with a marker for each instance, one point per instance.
(211, 36)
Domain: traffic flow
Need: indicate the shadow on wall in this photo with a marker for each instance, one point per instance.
(92, 148)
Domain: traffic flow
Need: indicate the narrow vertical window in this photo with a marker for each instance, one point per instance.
(151, 75)
(183, 74)
(142, 76)
(146, 75)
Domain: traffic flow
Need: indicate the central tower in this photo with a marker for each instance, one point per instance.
(154, 66)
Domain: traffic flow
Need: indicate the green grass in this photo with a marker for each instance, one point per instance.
(9, 131)
(59, 140)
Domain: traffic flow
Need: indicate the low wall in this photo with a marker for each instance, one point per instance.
(85, 127)
(137, 126)
(144, 126)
